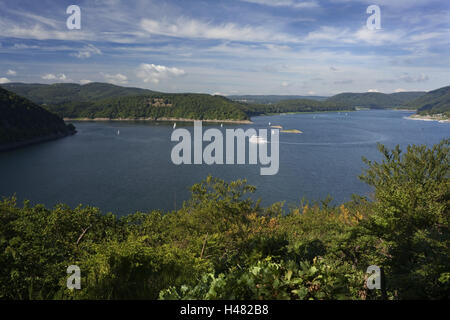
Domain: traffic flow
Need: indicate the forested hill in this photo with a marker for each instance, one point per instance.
(295, 105)
(434, 102)
(154, 106)
(22, 122)
(375, 100)
(60, 93)
(271, 99)
(103, 100)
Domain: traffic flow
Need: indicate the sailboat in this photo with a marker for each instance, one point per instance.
(174, 125)
(257, 139)
(221, 125)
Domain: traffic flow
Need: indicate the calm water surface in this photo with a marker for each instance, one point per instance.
(133, 171)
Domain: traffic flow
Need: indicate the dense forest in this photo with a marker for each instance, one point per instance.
(296, 105)
(222, 244)
(270, 99)
(22, 121)
(375, 100)
(434, 102)
(60, 93)
(189, 106)
(101, 100)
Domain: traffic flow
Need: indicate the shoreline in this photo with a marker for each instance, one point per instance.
(37, 140)
(304, 112)
(438, 118)
(161, 120)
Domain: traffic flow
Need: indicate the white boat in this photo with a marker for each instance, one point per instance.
(174, 125)
(118, 132)
(257, 139)
(221, 125)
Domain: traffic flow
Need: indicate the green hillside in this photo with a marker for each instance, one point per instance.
(295, 105)
(271, 99)
(405, 97)
(60, 93)
(188, 106)
(374, 100)
(22, 121)
(103, 100)
(434, 102)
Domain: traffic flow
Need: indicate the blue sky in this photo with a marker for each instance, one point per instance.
(304, 47)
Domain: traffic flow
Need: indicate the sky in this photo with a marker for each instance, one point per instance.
(229, 47)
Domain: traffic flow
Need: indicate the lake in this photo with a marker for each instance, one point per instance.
(133, 171)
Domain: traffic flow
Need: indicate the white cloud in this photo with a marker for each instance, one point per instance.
(191, 28)
(373, 90)
(378, 37)
(85, 81)
(285, 84)
(11, 73)
(286, 3)
(400, 90)
(410, 79)
(328, 34)
(4, 80)
(115, 78)
(87, 52)
(156, 73)
(51, 76)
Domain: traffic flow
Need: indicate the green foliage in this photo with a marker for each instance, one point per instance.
(224, 245)
(271, 99)
(295, 105)
(22, 120)
(268, 280)
(411, 217)
(188, 106)
(375, 100)
(434, 102)
(61, 93)
(102, 100)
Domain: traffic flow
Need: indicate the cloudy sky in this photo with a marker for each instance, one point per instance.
(305, 47)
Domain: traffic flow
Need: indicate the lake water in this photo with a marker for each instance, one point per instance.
(133, 171)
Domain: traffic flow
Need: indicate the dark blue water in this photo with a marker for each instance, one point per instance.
(133, 171)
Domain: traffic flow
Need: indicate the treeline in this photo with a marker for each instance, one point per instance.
(375, 100)
(190, 106)
(224, 245)
(296, 105)
(21, 120)
(60, 93)
(434, 102)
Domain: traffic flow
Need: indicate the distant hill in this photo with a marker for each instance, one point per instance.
(294, 105)
(60, 93)
(405, 97)
(434, 102)
(375, 100)
(154, 106)
(22, 122)
(271, 99)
